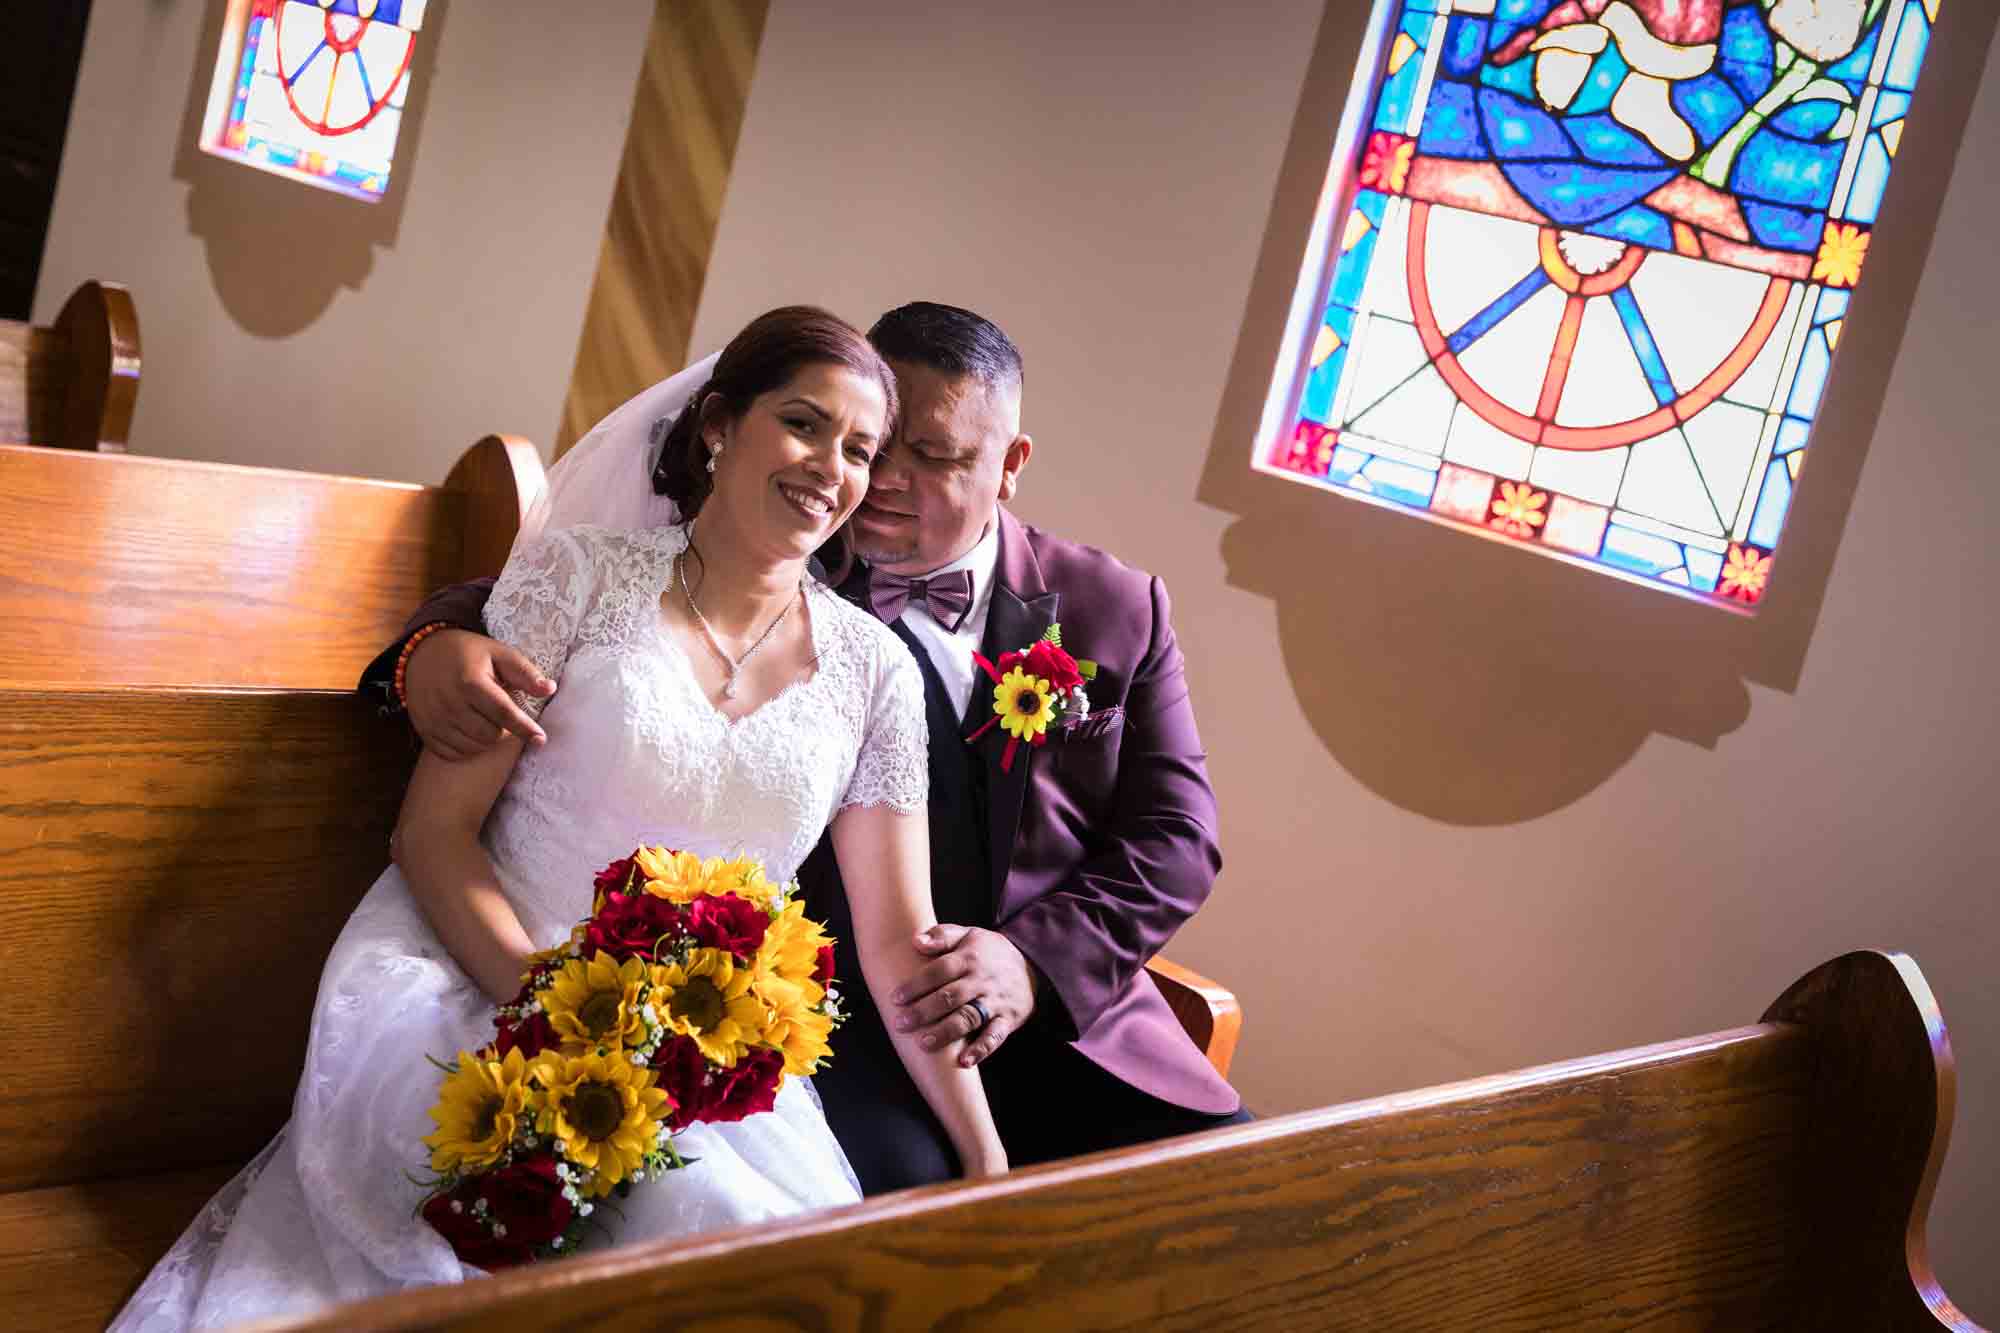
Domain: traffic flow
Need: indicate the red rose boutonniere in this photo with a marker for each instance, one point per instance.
(1032, 688)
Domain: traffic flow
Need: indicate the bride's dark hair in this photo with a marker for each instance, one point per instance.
(769, 351)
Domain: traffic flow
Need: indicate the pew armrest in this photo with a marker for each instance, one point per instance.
(1208, 1011)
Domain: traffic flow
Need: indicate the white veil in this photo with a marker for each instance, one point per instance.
(607, 478)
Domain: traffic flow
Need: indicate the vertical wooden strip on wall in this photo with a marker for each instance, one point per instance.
(685, 118)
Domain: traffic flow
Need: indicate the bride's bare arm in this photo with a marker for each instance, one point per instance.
(884, 860)
(449, 873)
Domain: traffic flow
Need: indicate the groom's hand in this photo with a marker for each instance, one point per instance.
(456, 684)
(967, 964)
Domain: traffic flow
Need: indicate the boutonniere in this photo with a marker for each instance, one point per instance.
(1033, 688)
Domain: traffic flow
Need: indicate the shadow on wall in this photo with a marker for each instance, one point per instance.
(278, 249)
(1480, 685)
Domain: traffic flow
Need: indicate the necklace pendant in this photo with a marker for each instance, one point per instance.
(729, 688)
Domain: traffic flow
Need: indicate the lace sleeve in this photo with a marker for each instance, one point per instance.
(539, 602)
(893, 767)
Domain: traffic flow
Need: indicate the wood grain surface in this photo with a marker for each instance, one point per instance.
(679, 144)
(175, 865)
(34, 379)
(121, 570)
(1667, 1187)
(71, 1255)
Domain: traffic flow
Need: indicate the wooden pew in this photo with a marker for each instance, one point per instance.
(1772, 1176)
(122, 570)
(175, 865)
(74, 384)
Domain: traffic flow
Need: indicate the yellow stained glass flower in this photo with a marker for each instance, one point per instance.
(1025, 704)
(596, 1003)
(478, 1108)
(799, 1033)
(603, 1110)
(1518, 509)
(1843, 248)
(710, 999)
(1745, 574)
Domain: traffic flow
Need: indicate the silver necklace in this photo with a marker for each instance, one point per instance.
(734, 664)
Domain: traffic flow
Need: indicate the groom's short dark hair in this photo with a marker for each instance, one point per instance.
(949, 340)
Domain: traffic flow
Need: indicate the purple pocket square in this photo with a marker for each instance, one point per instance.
(1092, 725)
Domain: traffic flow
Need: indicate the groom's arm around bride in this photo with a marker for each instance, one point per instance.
(1057, 874)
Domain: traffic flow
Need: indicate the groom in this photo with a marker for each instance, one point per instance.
(1054, 879)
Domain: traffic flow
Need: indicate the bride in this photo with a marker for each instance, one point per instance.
(711, 697)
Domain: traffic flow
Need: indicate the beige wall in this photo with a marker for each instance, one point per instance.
(292, 327)
(1479, 809)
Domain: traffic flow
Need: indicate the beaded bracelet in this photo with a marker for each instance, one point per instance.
(403, 658)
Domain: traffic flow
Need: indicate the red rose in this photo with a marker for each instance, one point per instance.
(532, 1034)
(728, 922)
(526, 1197)
(616, 877)
(718, 1096)
(1053, 665)
(823, 969)
(631, 924)
(470, 1238)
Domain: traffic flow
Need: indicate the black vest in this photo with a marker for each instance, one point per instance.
(961, 866)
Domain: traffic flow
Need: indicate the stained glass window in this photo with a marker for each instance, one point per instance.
(1579, 276)
(315, 90)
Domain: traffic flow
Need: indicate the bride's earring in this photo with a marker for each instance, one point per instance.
(714, 452)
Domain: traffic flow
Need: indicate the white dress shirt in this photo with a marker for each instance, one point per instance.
(951, 652)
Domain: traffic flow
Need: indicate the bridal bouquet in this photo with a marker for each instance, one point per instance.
(691, 992)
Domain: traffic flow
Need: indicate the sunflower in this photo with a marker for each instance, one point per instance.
(798, 1030)
(740, 875)
(678, 877)
(478, 1108)
(596, 1003)
(709, 998)
(790, 952)
(1024, 704)
(603, 1110)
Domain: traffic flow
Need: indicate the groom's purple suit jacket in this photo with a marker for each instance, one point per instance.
(1104, 839)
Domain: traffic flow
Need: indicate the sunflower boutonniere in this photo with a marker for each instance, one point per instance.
(1032, 688)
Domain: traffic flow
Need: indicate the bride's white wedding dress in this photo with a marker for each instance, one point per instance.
(636, 755)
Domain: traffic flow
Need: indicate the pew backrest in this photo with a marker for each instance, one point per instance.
(73, 385)
(176, 865)
(123, 570)
(1771, 1176)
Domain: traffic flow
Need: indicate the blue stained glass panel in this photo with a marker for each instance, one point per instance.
(1603, 259)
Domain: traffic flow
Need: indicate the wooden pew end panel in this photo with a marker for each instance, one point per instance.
(100, 327)
(1206, 1010)
(1882, 1087)
(500, 477)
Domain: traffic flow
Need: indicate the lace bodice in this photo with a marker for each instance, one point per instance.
(637, 753)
